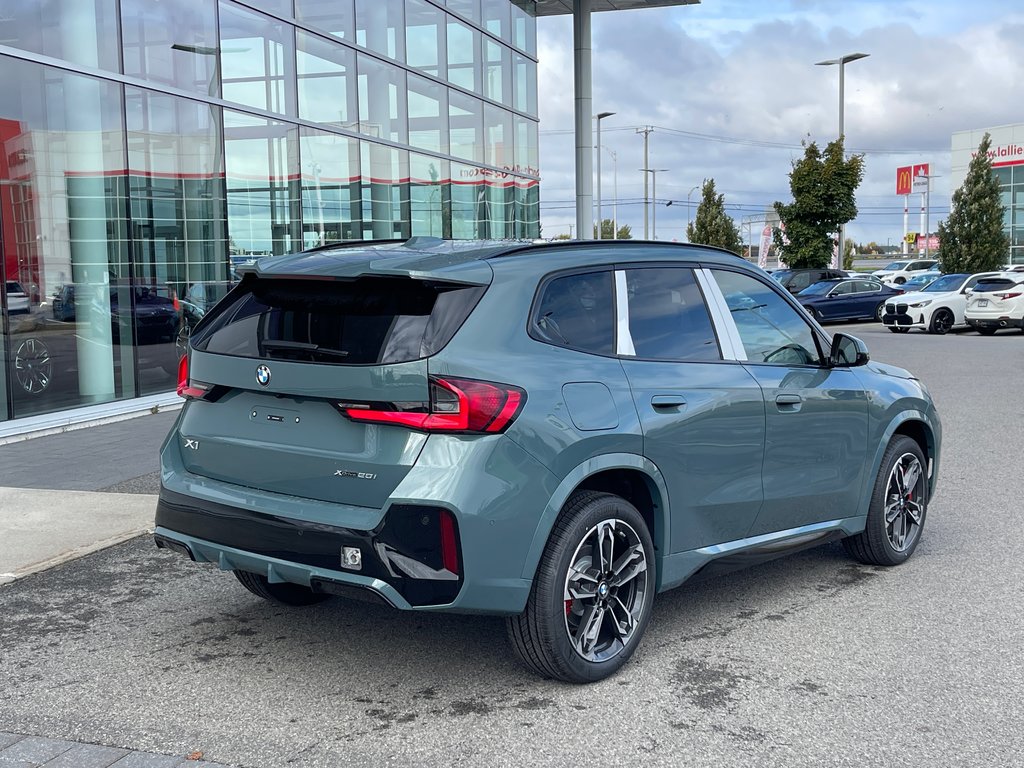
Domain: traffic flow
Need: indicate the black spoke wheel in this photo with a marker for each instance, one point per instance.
(32, 366)
(285, 593)
(899, 505)
(592, 594)
(942, 322)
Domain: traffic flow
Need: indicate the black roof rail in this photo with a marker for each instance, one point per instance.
(521, 247)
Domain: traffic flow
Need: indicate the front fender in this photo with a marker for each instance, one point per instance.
(931, 429)
(572, 481)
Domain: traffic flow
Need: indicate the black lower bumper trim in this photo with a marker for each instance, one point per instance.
(306, 543)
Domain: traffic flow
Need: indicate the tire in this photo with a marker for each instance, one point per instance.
(887, 541)
(942, 322)
(879, 311)
(898, 329)
(284, 593)
(547, 637)
(899, 280)
(816, 314)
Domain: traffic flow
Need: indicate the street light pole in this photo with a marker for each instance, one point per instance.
(842, 62)
(600, 216)
(654, 196)
(692, 190)
(615, 192)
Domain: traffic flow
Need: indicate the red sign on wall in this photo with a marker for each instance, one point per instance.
(903, 180)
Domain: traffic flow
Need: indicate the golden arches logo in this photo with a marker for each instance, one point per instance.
(904, 180)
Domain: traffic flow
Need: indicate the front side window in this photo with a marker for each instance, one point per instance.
(577, 311)
(839, 289)
(771, 330)
(668, 319)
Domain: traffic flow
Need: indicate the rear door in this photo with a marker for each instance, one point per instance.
(702, 417)
(280, 357)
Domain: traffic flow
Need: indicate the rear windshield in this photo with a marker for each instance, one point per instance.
(367, 321)
(994, 284)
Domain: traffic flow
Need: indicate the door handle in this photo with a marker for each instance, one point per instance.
(668, 401)
(788, 403)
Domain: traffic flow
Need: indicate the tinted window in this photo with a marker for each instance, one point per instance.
(799, 280)
(667, 316)
(866, 286)
(772, 331)
(369, 320)
(577, 311)
(987, 285)
(841, 289)
(946, 283)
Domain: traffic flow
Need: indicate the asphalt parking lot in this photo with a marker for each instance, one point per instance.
(807, 661)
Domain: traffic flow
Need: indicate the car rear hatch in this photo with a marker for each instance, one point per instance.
(276, 369)
(995, 295)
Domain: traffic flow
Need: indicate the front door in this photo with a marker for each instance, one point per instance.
(816, 418)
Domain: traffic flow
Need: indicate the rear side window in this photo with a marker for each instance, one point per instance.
(370, 320)
(668, 319)
(577, 311)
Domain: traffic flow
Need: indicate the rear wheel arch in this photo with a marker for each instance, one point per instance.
(630, 476)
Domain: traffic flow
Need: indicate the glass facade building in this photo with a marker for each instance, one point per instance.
(148, 147)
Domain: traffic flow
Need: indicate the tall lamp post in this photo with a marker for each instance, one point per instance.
(615, 192)
(842, 61)
(600, 220)
(692, 190)
(654, 196)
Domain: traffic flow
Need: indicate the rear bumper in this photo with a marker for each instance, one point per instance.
(995, 322)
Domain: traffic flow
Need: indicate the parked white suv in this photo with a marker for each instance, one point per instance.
(898, 272)
(17, 299)
(937, 308)
(995, 303)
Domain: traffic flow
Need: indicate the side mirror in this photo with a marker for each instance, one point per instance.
(847, 352)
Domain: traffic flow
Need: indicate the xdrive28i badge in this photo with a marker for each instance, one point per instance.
(263, 375)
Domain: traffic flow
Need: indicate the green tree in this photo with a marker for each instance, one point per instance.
(972, 238)
(849, 248)
(823, 186)
(712, 225)
(607, 225)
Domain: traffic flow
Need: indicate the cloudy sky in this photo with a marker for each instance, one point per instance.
(731, 90)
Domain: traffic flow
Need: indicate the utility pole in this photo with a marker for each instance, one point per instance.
(646, 131)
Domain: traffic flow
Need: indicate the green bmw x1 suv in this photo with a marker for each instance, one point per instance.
(553, 433)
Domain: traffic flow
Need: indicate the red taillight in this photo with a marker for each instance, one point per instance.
(186, 388)
(449, 546)
(1005, 296)
(456, 405)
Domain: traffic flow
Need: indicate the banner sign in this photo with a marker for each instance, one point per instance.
(903, 179)
(921, 177)
(766, 244)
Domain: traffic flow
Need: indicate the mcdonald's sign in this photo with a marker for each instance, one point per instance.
(904, 180)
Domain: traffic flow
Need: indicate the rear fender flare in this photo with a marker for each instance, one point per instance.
(573, 480)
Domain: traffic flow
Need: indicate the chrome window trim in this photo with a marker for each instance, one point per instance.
(623, 337)
(728, 335)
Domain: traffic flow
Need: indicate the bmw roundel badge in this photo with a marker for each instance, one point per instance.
(263, 375)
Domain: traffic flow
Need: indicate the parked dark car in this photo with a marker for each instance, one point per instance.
(155, 310)
(847, 299)
(552, 433)
(795, 280)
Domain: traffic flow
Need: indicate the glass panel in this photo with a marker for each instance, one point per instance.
(1002, 174)
(497, 72)
(468, 194)
(577, 311)
(428, 115)
(667, 316)
(327, 83)
(498, 206)
(527, 216)
(524, 30)
(385, 192)
(465, 119)
(173, 42)
(380, 26)
(425, 38)
(498, 137)
(279, 7)
(382, 100)
(80, 31)
(524, 74)
(63, 231)
(463, 56)
(468, 8)
(257, 59)
(176, 184)
(497, 16)
(771, 330)
(526, 146)
(262, 159)
(331, 196)
(429, 196)
(334, 16)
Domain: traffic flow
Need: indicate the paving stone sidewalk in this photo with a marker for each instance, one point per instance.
(17, 751)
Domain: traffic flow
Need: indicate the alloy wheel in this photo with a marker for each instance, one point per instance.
(32, 366)
(605, 590)
(904, 502)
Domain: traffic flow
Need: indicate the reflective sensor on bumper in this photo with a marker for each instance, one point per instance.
(352, 558)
